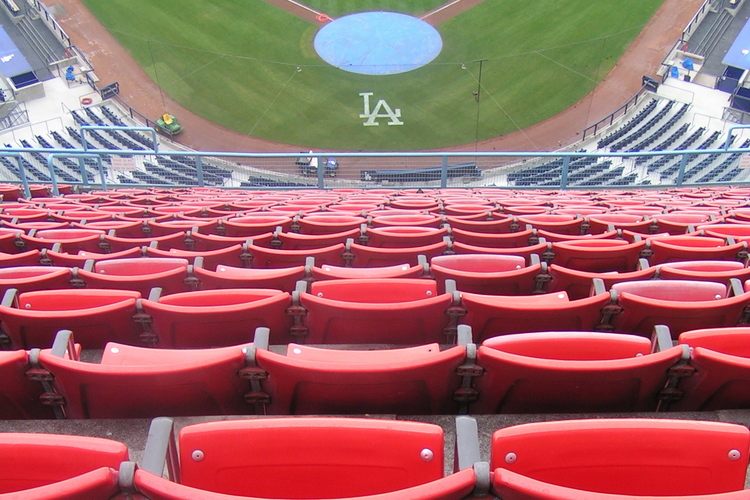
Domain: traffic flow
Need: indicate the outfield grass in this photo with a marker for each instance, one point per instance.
(251, 67)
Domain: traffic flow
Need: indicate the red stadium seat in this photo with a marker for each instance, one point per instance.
(30, 278)
(556, 237)
(328, 272)
(564, 372)
(523, 210)
(679, 248)
(491, 315)
(596, 255)
(365, 256)
(577, 284)
(643, 211)
(208, 242)
(500, 240)
(408, 381)
(454, 487)
(214, 318)
(138, 382)
(510, 485)
(327, 457)
(542, 249)
(71, 240)
(560, 224)
(721, 271)
(414, 202)
(416, 219)
(234, 255)
(609, 221)
(163, 228)
(297, 241)
(53, 466)
(502, 225)
(10, 240)
(740, 214)
(271, 258)
(633, 237)
(489, 274)
(646, 458)
(32, 319)
(579, 211)
(721, 363)
(468, 209)
(402, 236)
(19, 395)
(375, 311)
(79, 259)
(25, 215)
(682, 305)
(740, 232)
(252, 225)
(98, 483)
(30, 258)
(124, 229)
(139, 274)
(118, 244)
(329, 224)
(679, 222)
(25, 227)
(238, 277)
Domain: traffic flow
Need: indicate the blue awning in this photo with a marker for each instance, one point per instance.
(12, 62)
(738, 54)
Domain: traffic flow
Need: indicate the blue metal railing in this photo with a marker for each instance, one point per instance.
(443, 170)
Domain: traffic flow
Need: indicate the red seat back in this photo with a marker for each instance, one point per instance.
(310, 457)
(34, 460)
(627, 456)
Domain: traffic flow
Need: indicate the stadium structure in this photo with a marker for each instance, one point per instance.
(470, 321)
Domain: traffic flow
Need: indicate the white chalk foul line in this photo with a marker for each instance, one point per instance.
(302, 6)
(450, 4)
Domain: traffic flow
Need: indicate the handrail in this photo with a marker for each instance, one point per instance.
(81, 158)
(148, 130)
(614, 114)
(21, 171)
(377, 154)
(694, 19)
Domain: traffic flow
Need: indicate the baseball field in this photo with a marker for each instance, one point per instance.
(250, 65)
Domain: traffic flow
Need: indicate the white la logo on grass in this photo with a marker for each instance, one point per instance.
(381, 110)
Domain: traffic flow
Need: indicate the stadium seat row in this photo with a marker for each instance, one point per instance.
(378, 228)
(324, 218)
(591, 254)
(399, 311)
(385, 459)
(411, 199)
(505, 274)
(539, 372)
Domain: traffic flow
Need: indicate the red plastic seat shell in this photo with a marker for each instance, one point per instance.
(416, 380)
(397, 311)
(454, 487)
(330, 457)
(212, 318)
(54, 458)
(562, 372)
(629, 456)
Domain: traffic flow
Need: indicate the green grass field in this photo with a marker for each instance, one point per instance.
(252, 67)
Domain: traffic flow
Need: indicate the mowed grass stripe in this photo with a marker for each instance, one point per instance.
(235, 62)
